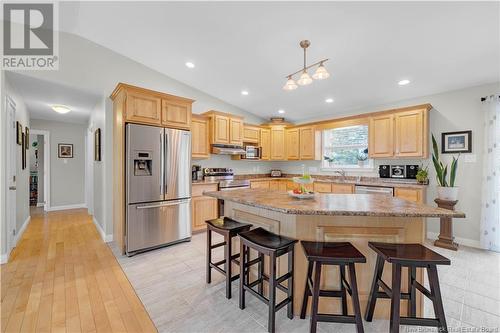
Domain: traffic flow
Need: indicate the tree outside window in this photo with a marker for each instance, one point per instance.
(346, 147)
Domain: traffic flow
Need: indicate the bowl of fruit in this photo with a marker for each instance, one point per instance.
(301, 193)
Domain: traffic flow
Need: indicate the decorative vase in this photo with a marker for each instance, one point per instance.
(447, 193)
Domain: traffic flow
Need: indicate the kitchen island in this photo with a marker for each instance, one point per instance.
(356, 218)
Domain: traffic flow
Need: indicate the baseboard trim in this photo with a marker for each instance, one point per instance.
(4, 258)
(56, 208)
(461, 241)
(105, 238)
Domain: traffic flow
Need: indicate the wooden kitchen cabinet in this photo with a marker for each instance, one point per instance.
(381, 136)
(200, 147)
(322, 187)
(278, 151)
(292, 144)
(175, 114)
(219, 128)
(260, 184)
(409, 134)
(143, 108)
(309, 143)
(225, 129)
(282, 185)
(274, 185)
(342, 188)
(203, 207)
(410, 194)
(265, 144)
(290, 185)
(251, 134)
(236, 131)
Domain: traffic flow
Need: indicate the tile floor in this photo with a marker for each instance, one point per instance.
(171, 284)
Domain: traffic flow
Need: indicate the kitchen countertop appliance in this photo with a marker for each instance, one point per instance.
(276, 173)
(252, 153)
(158, 187)
(358, 189)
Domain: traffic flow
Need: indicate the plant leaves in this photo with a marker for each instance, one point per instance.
(439, 170)
(453, 170)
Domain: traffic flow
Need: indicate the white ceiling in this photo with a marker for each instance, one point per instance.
(39, 95)
(439, 46)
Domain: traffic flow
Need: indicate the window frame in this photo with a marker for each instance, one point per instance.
(369, 165)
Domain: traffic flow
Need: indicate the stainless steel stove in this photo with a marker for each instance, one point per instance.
(225, 176)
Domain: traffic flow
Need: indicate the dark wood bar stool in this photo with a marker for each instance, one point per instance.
(339, 254)
(411, 256)
(228, 228)
(267, 244)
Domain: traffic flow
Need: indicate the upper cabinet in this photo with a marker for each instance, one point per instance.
(292, 144)
(200, 147)
(400, 134)
(310, 143)
(278, 143)
(265, 143)
(225, 129)
(251, 133)
(144, 106)
(175, 113)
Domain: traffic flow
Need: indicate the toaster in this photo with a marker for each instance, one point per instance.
(275, 173)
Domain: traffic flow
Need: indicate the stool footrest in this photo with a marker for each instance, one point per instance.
(419, 321)
(423, 290)
(223, 261)
(256, 294)
(333, 318)
(214, 246)
(382, 294)
(282, 303)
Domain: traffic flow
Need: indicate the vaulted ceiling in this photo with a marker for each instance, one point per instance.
(438, 46)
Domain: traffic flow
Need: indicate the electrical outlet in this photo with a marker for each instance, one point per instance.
(470, 158)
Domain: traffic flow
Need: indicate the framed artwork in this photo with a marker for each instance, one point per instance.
(65, 150)
(97, 145)
(27, 133)
(19, 133)
(23, 151)
(456, 142)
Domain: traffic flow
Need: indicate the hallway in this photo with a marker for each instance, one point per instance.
(63, 277)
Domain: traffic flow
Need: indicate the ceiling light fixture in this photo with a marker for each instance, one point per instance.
(244, 92)
(189, 65)
(305, 79)
(281, 111)
(60, 109)
(329, 100)
(403, 82)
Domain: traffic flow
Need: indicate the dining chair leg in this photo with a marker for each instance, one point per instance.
(228, 265)
(343, 290)
(272, 294)
(315, 297)
(396, 298)
(372, 298)
(437, 301)
(355, 298)
(209, 255)
(307, 291)
(290, 294)
(242, 273)
(412, 301)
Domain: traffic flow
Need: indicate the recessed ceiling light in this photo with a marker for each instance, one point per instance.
(329, 100)
(189, 65)
(403, 82)
(281, 111)
(60, 108)
(244, 92)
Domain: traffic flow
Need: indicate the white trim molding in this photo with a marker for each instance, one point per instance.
(105, 238)
(461, 241)
(64, 207)
(4, 258)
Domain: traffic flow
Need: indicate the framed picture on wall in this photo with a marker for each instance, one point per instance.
(27, 133)
(19, 133)
(97, 145)
(65, 150)
(23, 150)
(456, 142)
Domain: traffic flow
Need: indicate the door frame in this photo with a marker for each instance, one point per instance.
(89, 169)
(46, 166)
(11, 170)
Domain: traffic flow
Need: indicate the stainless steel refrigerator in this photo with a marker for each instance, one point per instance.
(158, 187)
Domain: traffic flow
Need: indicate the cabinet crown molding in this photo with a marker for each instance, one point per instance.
(128, 87)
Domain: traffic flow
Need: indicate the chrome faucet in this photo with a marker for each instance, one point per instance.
(341, 172)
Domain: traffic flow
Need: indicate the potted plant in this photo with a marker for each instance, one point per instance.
(423, 175)
(446, 190)
(362, 156)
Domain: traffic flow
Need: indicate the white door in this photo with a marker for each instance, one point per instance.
(11, 172)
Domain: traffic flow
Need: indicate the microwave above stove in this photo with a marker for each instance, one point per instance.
(252, 152)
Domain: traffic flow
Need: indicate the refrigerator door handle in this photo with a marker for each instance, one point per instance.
(165, 204)
(165, 161)
(162, 164)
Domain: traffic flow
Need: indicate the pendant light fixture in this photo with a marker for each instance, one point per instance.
(305, 79)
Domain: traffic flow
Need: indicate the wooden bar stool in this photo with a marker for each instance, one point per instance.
(332, 253)
(228, 228)
(411, 256)
(274, 246)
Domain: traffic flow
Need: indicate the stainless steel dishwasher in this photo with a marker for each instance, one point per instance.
(374, 190)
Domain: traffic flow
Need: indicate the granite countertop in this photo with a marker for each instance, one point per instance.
(333, 204)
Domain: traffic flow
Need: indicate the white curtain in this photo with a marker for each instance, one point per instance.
(490, 203)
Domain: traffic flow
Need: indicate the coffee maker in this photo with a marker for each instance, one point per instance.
(196, 172)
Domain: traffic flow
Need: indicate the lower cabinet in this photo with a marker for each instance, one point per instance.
(322, 187)
(343, 188)
(260, 184)
(410, 194)
(203, 207)
(275, 185)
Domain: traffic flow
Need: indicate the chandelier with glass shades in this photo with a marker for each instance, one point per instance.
(305, 79)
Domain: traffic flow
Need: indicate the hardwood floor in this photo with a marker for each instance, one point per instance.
(62, 277)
